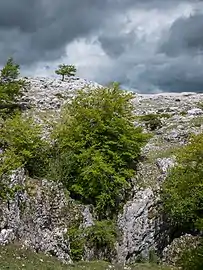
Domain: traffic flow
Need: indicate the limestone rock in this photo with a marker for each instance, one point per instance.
(172, 253)
(6, 236)
(39, 216)
(165, 164)
(51, 93)
(195, 111)
(138, 226)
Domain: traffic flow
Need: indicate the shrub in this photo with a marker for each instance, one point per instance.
(66, 70)
(77, 243)
(182, 193)
(102, 235)
(97, 147)
(100, 238)
(192, 259)
(20, 138)
(152, 121)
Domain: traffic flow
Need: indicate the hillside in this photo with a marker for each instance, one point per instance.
(41, 214)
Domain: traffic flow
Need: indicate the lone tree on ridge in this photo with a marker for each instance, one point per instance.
(66, 70)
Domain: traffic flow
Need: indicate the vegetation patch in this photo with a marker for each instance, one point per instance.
(183, 190)
(182, 197)
(14, 257)
(97, 148)
(77, 242)
(197, 121)
(152, 121)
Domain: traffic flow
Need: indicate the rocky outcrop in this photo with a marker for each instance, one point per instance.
(138, 227)
(141, 223)
(40, 215)
(50, 94)
(142, 226)
(173, 252)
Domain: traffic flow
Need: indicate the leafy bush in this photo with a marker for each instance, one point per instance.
(77, 242)
(152, 121)
(66, 70)
(97, 147)
(183, 189)
(102, 235)
(20, 138)
(192, 259)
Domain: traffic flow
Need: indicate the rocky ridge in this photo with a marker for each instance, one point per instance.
(37, 219)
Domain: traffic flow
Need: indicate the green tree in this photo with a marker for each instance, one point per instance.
(182, 193)
(10, 85)
(66, 70)
(20, 140)
(97, 147)
(10, 71)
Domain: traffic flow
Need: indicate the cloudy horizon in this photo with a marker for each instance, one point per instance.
(146, 45)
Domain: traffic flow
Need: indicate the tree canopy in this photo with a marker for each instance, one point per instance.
(66, 70)
(97, 147)
(10, 85)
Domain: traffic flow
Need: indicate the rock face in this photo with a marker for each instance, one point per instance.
(142, 227)
(137, 227)
(50, 94)
(140, 223)
(40, 215)
(172, 253)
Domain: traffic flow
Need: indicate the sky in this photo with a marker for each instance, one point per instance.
(148, 46)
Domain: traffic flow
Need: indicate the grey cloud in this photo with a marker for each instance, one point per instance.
(115, 44)
(185, 36)
(38, 31)
(173, 62)
(42, 28)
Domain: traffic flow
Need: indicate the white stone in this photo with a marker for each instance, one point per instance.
(195, 111)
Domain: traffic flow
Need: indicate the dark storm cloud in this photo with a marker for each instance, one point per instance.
(173, 62)
(185, 36)
(34, 30)
(183, 47)
(168, 59)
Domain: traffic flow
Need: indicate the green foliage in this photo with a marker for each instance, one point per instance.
(165, 115)
(102, 235)
(77, 242)
(199, 105)
(20, 138)
(18, 258)
(183, 113)
(182, 194)
(97, 147)
(152, 121)
(66, 70)
(192, 258)
(10, 85)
